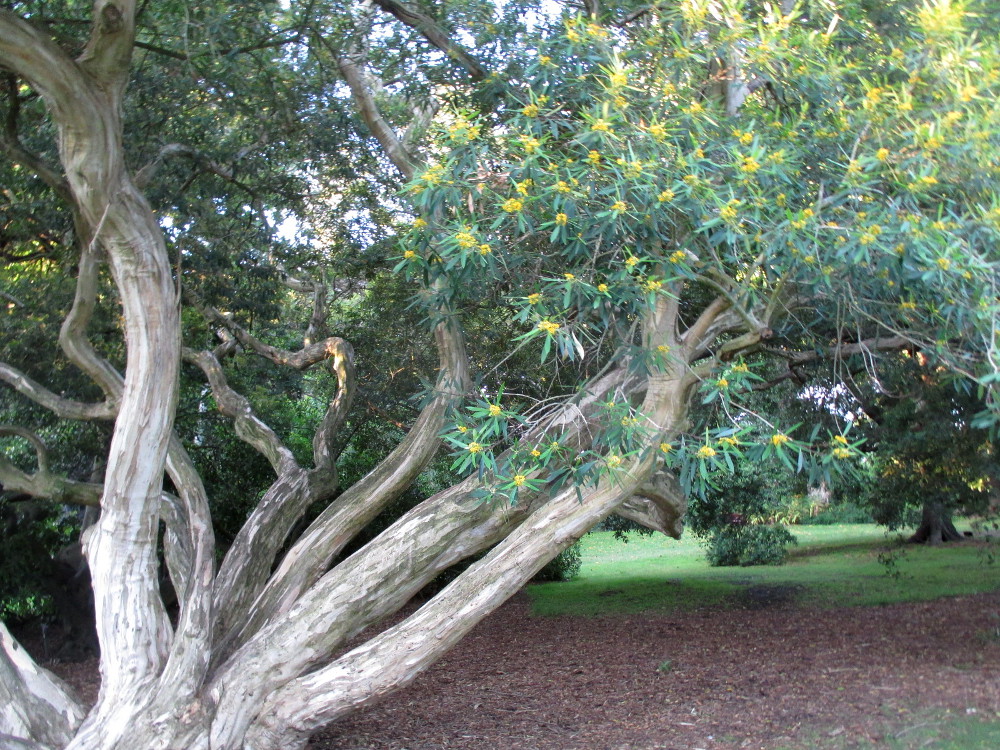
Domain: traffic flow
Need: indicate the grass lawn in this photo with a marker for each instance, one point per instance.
(832, 566)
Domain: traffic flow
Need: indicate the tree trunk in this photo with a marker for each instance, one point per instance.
(935, 525)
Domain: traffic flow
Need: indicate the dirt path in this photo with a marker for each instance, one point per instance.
(763, 676)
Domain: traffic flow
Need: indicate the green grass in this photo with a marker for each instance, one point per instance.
(832, 566)
(940, 731)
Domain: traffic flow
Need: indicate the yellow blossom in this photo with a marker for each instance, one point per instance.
(596, 31)
(530, 111)
(619, 206)
(691, 179)
(409, 255)
(561, 219)
(749, 165)
(614, 461)
(653, 285)
(729, 212)
(465, 240)
(602, 288)
(463, 428)
(573, 36)
(602, 126)
(519, 480)
(663, 349)
(908, 305)
(569, 276)
(741, 367)
(419, 223)
(495, 410)
(594, 157)
(731, 441)
(943, 263)
(475, 447)
(666, 447)
(781, 199)
(548, 326)
(530, 144)
(678, 256)
(841, 453)
(666, 196)
(778, 439)
(694, 108)
(706, 451)
(722, 383)
(840, 439)
(618, 79)
(536, 453)
(658, 131)
(534, 299)
(866, 239)
(522, 187)
(630, 261)
(512, 205)
(485, 249)
(545, 60)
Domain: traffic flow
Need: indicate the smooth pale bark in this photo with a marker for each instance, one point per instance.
(34, 704)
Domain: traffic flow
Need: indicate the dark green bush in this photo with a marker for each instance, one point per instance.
(563, 567)
(749, 545)
(842, 513)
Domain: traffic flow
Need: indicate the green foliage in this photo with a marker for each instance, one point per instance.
(845, 512)
(748, 545)
(563, 567)
(32, 535)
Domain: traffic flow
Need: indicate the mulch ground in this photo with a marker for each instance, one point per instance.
(762, 675)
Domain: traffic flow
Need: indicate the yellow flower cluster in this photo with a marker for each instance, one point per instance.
(666, 196)
(519, 480)
(666, 447)
(548, 326)
(678, 256)
(495, 410)
(778, 439)
(475, 447)
(465, 240)
(561, 219)
(512, 205)
(409, 255)
(619, 206)
(706, 451)
(602, 126)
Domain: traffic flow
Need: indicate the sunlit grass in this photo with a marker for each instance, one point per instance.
(832, 566)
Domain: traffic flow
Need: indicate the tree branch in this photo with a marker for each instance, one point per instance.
(434, 34)
(36, 703)
(398, 154)
(250, 428)
(61, 407)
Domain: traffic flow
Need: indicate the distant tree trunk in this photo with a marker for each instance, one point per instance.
(935, 525)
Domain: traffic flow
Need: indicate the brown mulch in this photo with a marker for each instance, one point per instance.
(763, 676)
(759, 677)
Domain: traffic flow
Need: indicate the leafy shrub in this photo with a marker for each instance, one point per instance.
(841, 513)
(563, 567)
(748, 545)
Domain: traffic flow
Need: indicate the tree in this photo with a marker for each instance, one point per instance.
(655, 192)
(926, 449)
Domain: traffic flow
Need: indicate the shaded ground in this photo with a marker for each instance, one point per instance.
(761, 675)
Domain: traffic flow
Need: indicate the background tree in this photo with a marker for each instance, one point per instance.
(642, 194)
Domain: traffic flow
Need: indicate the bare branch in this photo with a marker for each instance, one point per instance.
(44, 483)
(37, 704)
(402, 159)
(145, 175)
(250, 428)
(61, 407)
(434, 34)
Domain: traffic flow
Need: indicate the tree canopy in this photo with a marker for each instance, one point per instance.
(289, 250)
